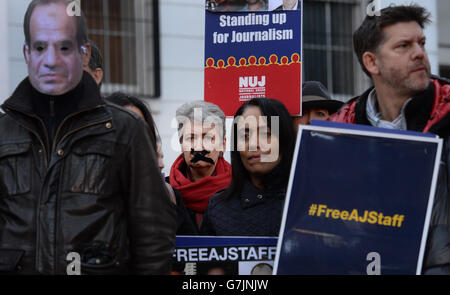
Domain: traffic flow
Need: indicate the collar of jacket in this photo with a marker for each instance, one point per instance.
(59, 106)
(21, 99)
(276, 179)
(88, 111)
(418, 113)
(252, 196)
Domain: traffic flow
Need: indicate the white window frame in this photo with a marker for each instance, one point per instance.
(329, 48)
(144, 51)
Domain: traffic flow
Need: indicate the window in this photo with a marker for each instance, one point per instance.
(327, 43)
(126, 32)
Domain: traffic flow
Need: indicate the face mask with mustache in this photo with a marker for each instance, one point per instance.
(200, 156)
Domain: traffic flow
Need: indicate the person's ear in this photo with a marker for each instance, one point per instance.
(98, 75)
(86, 53)
(26, 52)
(224, 145)
(370, 62)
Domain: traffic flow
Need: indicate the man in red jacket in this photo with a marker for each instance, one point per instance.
(391, 51)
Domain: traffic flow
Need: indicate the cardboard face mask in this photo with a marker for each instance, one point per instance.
(200, 156)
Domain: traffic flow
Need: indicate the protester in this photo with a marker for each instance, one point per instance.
(200, 171)
(391, 50)
(185, 226)
(76, 175)
(95, 64)
(316, 104)
(261, 157)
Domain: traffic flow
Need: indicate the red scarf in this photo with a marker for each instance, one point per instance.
(196, 194)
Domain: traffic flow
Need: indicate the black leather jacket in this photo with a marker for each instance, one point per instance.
(96, 191)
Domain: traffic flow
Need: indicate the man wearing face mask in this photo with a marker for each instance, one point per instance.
(76, 175)
(200, 171)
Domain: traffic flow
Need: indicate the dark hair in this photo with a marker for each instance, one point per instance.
(369, 36)
(123, 100)
(269, 108)
(96, 60)
(82, 28)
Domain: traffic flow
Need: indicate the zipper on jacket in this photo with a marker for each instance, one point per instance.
(52, 123)
(58, 195)
(55, 245)
(55, 143)
(52, 107)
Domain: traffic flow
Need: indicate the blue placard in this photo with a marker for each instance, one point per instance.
(260, 34)
(357, 204)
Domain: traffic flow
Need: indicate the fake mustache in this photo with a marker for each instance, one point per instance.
(200, 156)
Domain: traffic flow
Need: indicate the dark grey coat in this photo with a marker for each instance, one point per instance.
(253, 212)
